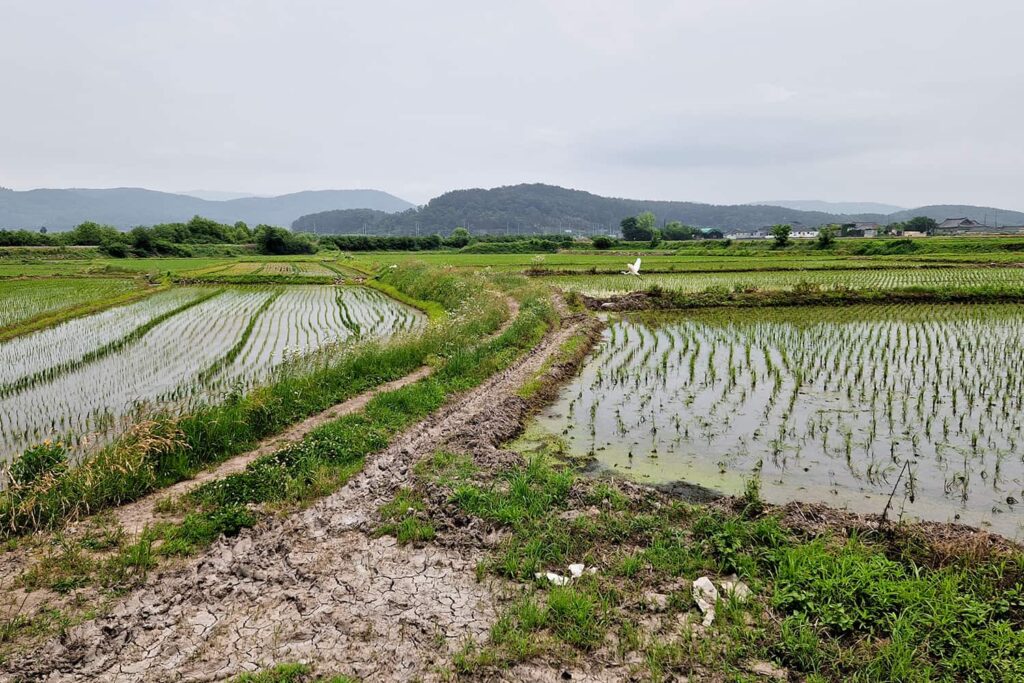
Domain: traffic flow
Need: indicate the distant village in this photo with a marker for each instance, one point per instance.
(949, 226)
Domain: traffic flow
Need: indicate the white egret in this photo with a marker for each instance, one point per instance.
(633, 268)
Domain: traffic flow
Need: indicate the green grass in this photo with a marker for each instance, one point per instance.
(519, 495)
(435, 311)
(841, 609)
(403, 519)
(289, 673)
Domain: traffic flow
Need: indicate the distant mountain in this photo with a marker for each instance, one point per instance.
(538, 208)
(838, 208)
(128, 207)
(217, 195)
(986, 215)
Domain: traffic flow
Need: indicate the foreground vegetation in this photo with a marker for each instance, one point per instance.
(835, 605)
(832, 597)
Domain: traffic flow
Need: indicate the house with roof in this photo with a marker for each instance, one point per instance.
(959, 224)
(862, 229)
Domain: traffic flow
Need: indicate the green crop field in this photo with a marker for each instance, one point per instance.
(22, 300)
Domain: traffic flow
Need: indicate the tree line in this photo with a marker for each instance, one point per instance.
(178, 239)
(166, 239)
(643, 228)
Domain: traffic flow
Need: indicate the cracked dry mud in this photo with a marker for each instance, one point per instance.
(315, 586)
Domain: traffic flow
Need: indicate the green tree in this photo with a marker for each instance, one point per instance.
(241, 233)
(271, 240)
(920, 224)
(781, 234)
(674, 230)
(142, 239)
(603, 242)
(91, 234)
(638, 228)
(115, 246)
(459, 238)
(826, 237)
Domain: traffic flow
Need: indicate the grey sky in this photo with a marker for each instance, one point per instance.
(903, 101)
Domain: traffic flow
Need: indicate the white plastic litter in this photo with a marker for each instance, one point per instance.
(735, 588)
(705, 595)
(555, 579)
(576, 570)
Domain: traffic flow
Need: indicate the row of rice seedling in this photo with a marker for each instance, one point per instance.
(314, 269)
(24, 299)
(838, 405)
(304, 319)
(96, 399)
(874, 279)
(225, 342)
(37, 353)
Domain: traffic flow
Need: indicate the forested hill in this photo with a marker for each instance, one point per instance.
(63, 209)
(546, 208)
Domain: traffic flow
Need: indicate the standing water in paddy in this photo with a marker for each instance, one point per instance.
(819, 404)
(85, 380)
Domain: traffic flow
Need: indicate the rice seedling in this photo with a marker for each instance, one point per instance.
(84, 381)
(820, 403)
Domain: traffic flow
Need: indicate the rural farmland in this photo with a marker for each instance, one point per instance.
(85, 380)
(573, 447)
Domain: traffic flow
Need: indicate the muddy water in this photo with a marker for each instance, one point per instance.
(843, 406)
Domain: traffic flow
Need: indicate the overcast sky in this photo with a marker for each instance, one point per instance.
(909, 102)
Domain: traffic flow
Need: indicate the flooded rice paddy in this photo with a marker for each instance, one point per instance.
(895, 278)
(842, 406)
(83, 380)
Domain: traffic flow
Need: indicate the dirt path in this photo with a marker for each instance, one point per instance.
(314, 586)
(134, 517)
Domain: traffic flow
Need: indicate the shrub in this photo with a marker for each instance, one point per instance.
(37, 461)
